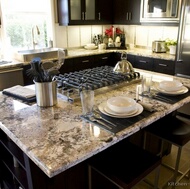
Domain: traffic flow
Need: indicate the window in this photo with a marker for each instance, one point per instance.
(20, 19)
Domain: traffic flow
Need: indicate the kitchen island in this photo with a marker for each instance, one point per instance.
(57, 140)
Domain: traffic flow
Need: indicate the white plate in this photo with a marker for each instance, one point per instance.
(90, 48)
(183, 90)
(103, 105)
(109, 111)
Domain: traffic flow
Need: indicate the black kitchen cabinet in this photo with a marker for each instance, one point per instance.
(164, 66)
(102, 60)
(126, 12)
(78, 12)
(104, 11)
(81, 63)
(142, 62)
(85, 12)
(67, 66)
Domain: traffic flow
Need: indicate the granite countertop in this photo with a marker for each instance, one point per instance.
(56, 138)
(81, 52)
(135, 51)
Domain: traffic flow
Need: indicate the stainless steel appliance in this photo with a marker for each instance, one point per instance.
(160, 10)
(158, 46)
(183, 46)
(99, 79)
(10, 77)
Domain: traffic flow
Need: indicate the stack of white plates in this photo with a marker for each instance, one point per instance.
(120, 107)
(171, 87)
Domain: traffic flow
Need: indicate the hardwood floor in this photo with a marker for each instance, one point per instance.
(165, 172)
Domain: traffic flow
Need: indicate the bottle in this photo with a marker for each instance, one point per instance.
(50, 43)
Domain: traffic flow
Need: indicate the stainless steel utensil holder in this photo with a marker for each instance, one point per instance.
(46, 93)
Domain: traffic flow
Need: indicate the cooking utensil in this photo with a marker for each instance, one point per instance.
(36, 70)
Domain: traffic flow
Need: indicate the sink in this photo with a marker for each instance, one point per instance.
(44, 53)
(2, 62)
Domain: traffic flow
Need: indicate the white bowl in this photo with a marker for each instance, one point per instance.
(90, 45)
(170, 86)
(121, 104)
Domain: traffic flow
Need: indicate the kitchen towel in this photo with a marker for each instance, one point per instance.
(21, 92)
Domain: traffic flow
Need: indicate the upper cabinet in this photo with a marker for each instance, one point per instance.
(126, 11)
(104, 11)
(79, 12)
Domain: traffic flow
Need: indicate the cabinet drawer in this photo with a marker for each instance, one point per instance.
(143, 63)
(164, 66)
(82, 63)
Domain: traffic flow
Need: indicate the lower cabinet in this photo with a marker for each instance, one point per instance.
(164, 66)
(17, 171)
(86, 62)
(143, 63)
(153, 64)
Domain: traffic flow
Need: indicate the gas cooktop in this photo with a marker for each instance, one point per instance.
(69, 84)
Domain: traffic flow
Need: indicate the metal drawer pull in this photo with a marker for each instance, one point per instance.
(104, 58)
(130, 16)
(99, 16)
(142, 61)
(127, 16)
(165, 65)
(85, 61)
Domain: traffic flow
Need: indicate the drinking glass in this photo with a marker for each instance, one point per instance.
(146, 84)
(87, 101)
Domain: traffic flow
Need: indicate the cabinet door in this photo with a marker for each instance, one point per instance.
(81, 12)
(104, 12)
(101, 60)
(164, 66)
(76, 12)
(143, 63)
(82, 63)
(126, 12)
(67, 66)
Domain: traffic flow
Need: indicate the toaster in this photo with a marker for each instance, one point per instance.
(158, 46)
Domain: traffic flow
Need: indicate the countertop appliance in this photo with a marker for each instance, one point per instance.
(99, 79)
(158, 46)
(160, 10)
(183, 45)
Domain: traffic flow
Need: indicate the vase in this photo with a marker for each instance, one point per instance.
(172, 49)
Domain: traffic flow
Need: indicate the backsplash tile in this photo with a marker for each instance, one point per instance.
(77, 36)
(154, 33)
(141, 36)
(73, 34)
(85, 35)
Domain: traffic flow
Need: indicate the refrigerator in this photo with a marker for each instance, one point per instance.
(182, 67)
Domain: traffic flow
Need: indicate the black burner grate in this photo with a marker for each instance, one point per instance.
(94, 78)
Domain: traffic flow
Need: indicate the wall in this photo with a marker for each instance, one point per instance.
(78, 36)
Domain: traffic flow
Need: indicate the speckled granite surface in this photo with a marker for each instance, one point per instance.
(56, 138)
(80, 52)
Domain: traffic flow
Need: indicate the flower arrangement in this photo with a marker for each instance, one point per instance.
(110, 32)
(171, 45)
(170, 42)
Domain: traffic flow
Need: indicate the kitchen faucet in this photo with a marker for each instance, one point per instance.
(33, 40)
